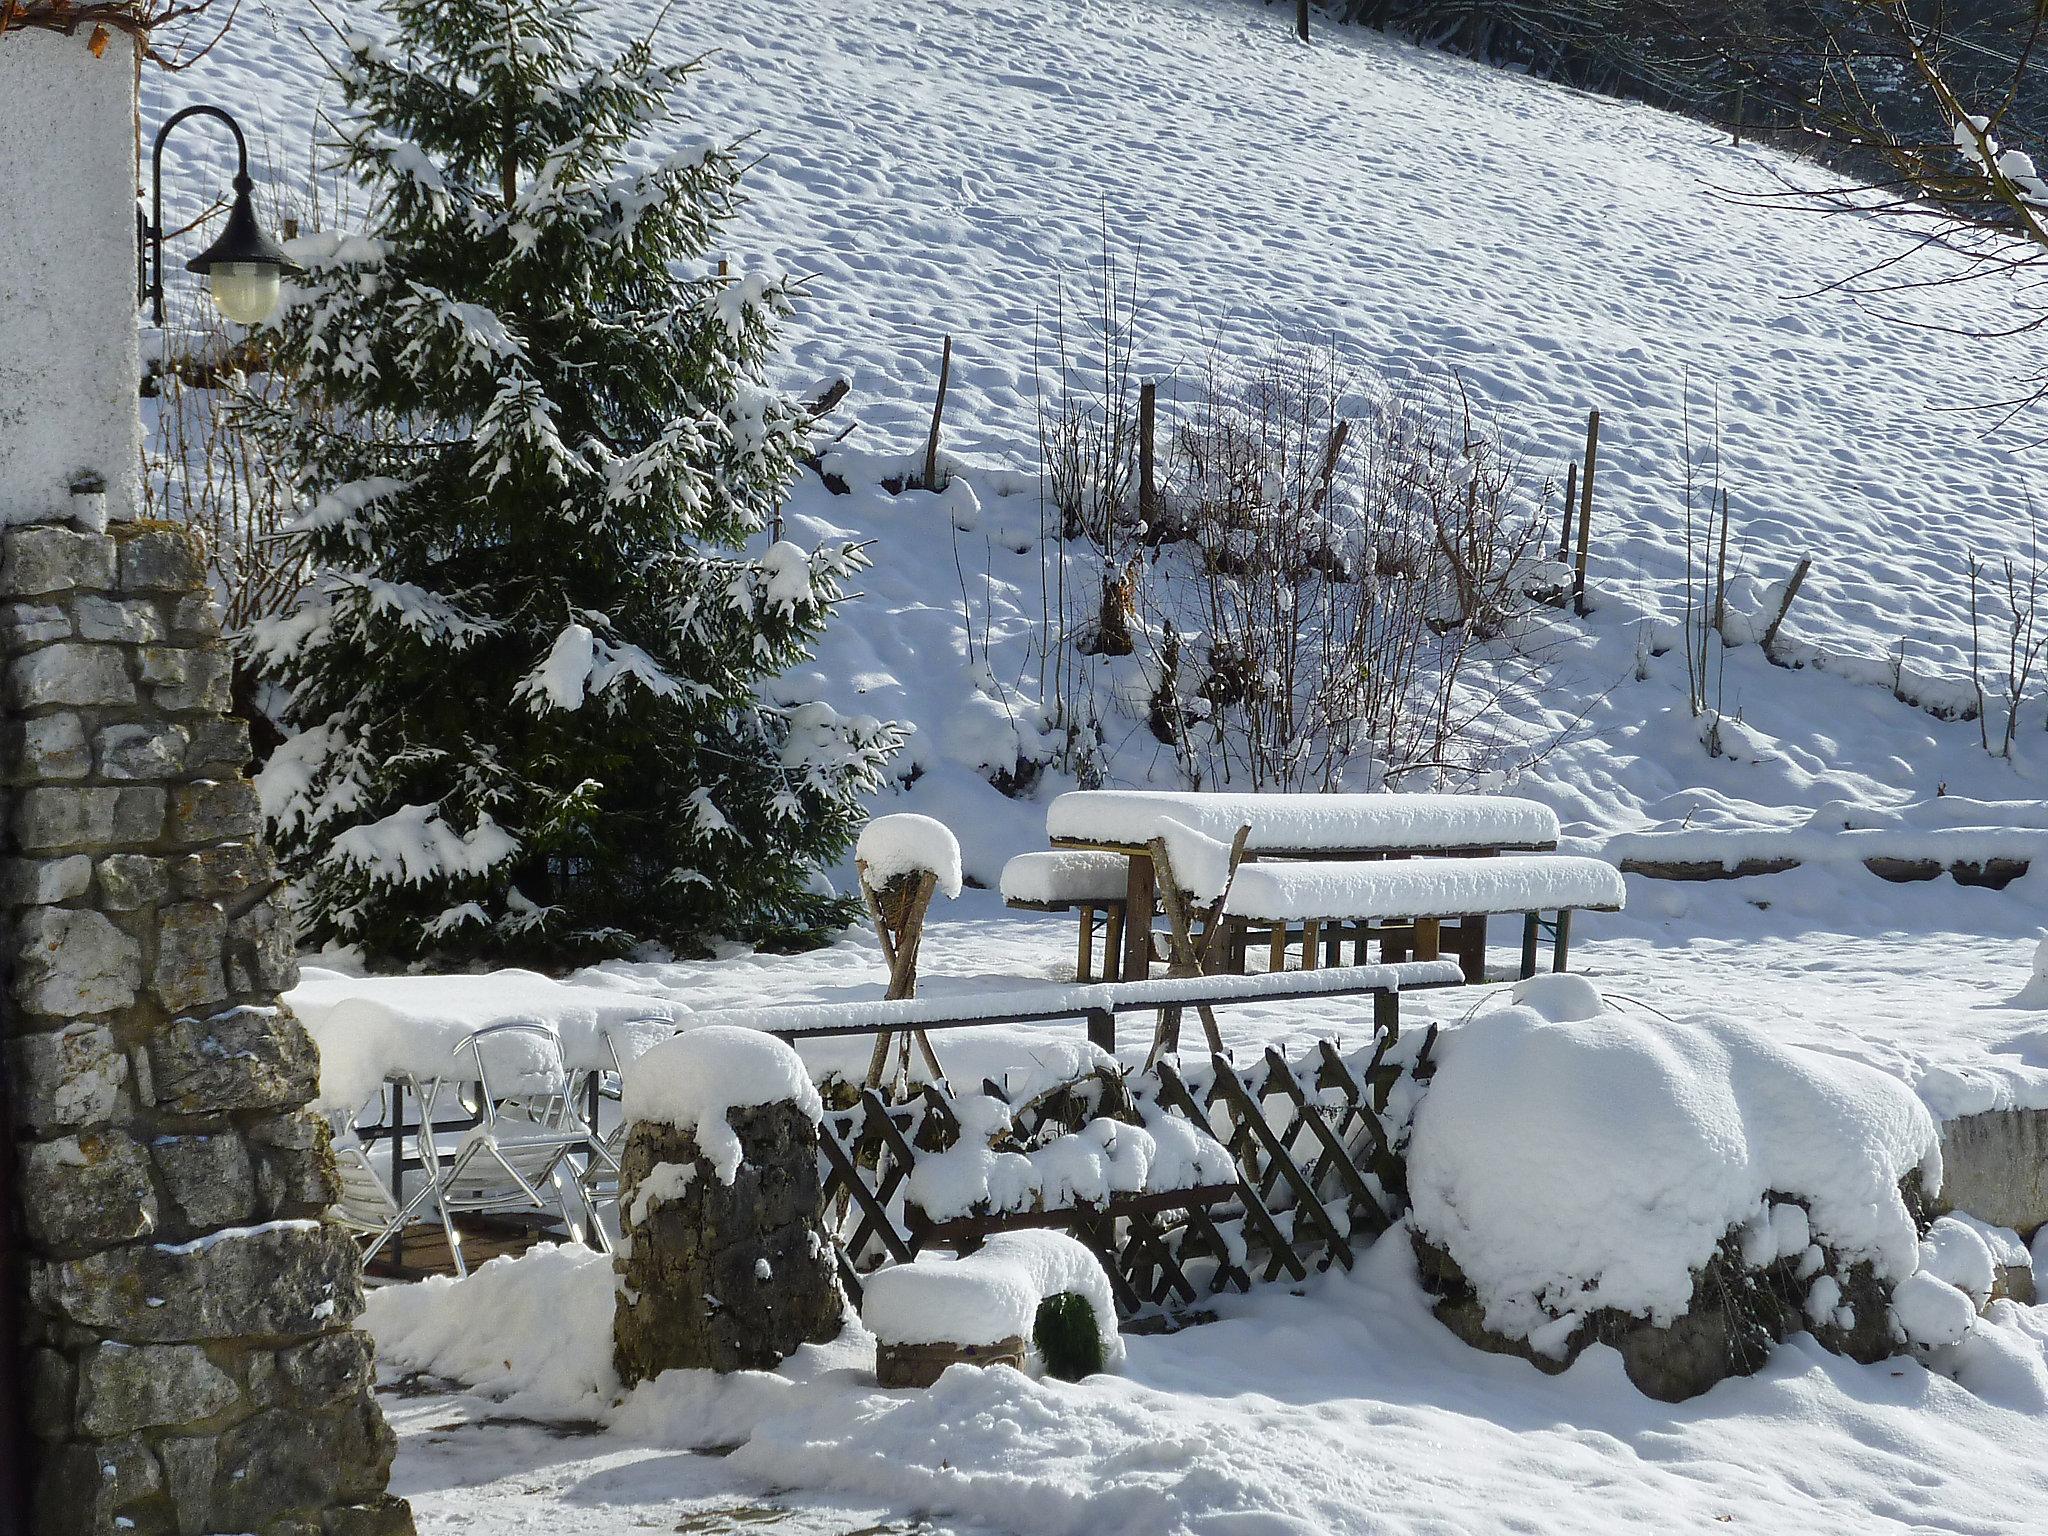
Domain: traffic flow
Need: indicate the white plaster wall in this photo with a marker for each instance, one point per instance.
(68, 364)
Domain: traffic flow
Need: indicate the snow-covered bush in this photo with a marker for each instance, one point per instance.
(1689, 1192)
(523, 675)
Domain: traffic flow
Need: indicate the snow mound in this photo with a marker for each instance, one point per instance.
(908, 844)
(547, 1348)
(693, 1081)
(990, 1295)
(2035, 993)
(1591, 1162)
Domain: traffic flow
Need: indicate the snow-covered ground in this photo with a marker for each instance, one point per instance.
(944, 167)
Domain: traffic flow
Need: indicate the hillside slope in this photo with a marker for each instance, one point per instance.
(947, 168)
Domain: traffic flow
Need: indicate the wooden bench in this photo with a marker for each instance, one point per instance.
(1405, 904)
(1072, 879)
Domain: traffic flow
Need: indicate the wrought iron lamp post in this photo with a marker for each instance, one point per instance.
(244, 268)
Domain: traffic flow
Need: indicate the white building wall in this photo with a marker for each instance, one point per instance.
(68, 363)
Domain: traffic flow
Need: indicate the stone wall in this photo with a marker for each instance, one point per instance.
(189, 1355)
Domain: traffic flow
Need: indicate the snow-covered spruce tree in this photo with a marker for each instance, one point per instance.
(531, 435)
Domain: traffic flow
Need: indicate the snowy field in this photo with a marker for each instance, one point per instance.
(944, 167)
(1346, 1409)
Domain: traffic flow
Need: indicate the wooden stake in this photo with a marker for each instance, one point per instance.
(1721, 577)
(1148, 486)
(1784, 607)
(1301, 19)
(931, 446)
(1571, 507)
(901, 931)
(1586, 512)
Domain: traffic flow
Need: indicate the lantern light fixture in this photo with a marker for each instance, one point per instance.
(244, 269)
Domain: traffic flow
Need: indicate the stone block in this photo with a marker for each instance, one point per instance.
(84, 1488)
(141, 752)
(50, 748)
(332, 1369)
(214, 811)
(220, 747)
(125, 1387)
(208, 1182)
(86, 1192)
(161, 559)
(52, 1394)
(70, 962)
(69, 1078)
(139, 815)
(71, 673)
(245, 1058)
(294, 1157)
(225, 869)
(262, 955)
(281, 1280)
(45, 558)
(25, 624)
(196, 614)
(122, 623)
(42, 882)
(206, 684)
(132, 880)
(191, 938)
(383, 1517)
(54, 820)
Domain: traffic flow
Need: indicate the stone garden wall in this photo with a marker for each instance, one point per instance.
(189, 1356)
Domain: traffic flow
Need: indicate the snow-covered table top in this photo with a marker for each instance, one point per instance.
(369, 1028)
(1404, 888)
(1128, 818)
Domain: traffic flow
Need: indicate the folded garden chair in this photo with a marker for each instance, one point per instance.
(517, 1156)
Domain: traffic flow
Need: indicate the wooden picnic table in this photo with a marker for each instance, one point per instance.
(1293, 826)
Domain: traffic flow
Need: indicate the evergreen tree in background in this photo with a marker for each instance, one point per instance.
(531, 435)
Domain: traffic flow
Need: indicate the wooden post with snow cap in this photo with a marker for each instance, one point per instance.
(902, 862)
(931, 446)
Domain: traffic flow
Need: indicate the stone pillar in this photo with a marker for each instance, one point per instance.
(726, 1276)
(188, 1345)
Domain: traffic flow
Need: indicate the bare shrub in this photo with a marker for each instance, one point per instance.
(1303, 602)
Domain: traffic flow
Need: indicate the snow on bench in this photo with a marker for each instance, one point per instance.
(1283, 823)
(1416, 888)
(797, 1020)
(1838, 841)
(370, 1028)
(1065, 877)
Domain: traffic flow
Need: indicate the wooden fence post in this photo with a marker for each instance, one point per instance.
(1571, 510)
(1301, 19)
(931, 446)
(1148, 482)
(1586, 512)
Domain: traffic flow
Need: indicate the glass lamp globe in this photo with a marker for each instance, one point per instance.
(245, 291)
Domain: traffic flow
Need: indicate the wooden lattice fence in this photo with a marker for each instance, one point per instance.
(1308, 1131)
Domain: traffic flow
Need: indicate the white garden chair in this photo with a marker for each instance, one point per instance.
(516, 1157)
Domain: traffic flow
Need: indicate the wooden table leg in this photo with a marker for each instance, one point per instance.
(1472, 948)
(1138, 895)
(1428, 938)
(1532, 933)
(1084, 961)
(1560, 951)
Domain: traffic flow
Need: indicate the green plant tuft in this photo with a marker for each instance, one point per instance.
(1068, 1340)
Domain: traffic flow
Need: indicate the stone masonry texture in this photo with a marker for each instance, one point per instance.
(188, 1346)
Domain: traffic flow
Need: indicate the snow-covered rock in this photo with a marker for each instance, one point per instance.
(1575, 1173)
(693, 1081)
(990, 1295)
